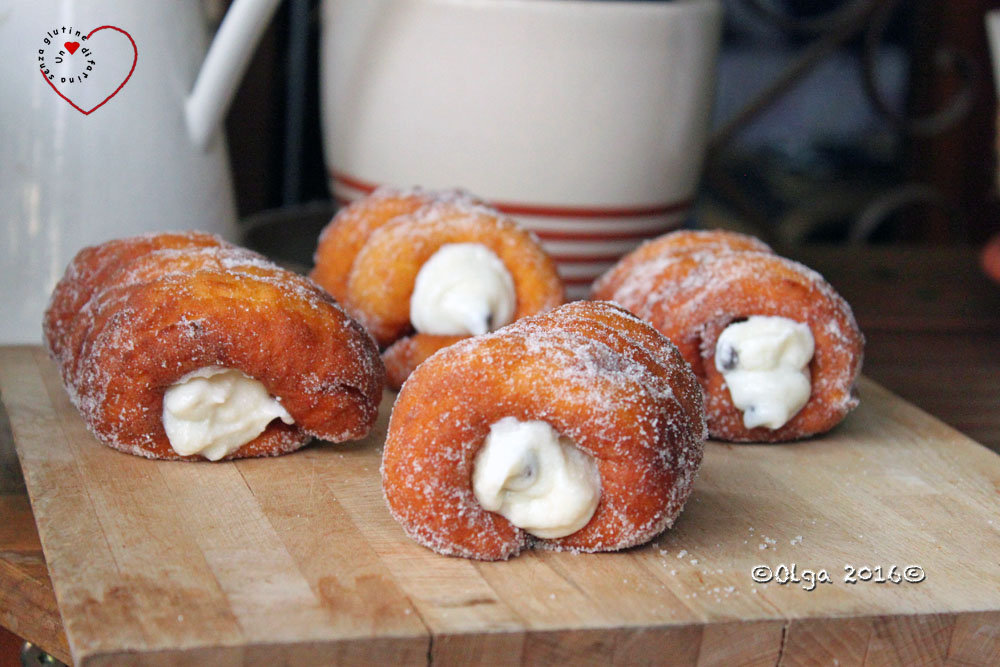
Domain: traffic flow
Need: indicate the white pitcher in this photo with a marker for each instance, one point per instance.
(149, 158)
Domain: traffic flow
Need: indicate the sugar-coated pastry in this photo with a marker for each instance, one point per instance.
(422, 269)
(183, 346)
(577, 429)
(776, 349)
(407, 353)
(342, 240)
(682, 241)
(90, 270)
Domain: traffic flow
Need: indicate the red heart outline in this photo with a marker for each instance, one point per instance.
(72, 47)
(135, 59)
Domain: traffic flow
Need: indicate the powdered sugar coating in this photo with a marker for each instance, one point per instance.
(693, 293)
(93, 266)
(609, 382)
(681, 242)
(385, 270)
(342, 239)
(168, 311)
(407, 353)
(370, 254)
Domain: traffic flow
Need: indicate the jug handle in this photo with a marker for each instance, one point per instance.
(227, 60)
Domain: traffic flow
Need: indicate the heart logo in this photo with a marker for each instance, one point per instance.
(73, 46)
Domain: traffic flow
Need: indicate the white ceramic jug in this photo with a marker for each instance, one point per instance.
(148, 158)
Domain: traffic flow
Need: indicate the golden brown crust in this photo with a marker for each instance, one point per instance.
(685, 242)
(380, 290)
(369, 256)
(90, 270)
(618, 389)
(342, 240)
(403, 356)
(173, 310)
(691, 297)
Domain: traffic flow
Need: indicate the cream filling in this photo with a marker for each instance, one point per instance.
(765, 362)
(536, 478)
(463, 289)
(214, 411)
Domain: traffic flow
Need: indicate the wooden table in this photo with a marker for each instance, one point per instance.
(933, 328)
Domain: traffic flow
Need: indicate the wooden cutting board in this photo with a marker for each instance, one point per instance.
(296, 559)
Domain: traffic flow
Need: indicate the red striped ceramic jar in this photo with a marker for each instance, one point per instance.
(586, 120)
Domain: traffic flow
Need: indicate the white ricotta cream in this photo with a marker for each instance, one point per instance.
(536, 478)
(765, 362)
(463, 288)
(214, 411)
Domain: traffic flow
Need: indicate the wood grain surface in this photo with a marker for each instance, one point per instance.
(27, 602)
(296, 558)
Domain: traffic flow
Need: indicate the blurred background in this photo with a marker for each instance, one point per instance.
(865, 121)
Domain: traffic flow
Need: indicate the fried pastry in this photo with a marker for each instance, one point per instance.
(577, 429)
(407, 353)
(776, 349)
(422, 269)
(183, 346)
(689, 242)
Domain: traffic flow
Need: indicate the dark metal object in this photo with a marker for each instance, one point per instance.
(829, 22)
(288, 235)
(905, 196)
(793, 74)
(296, 72)
(831, 31)
(945, 59)
(32, 656)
